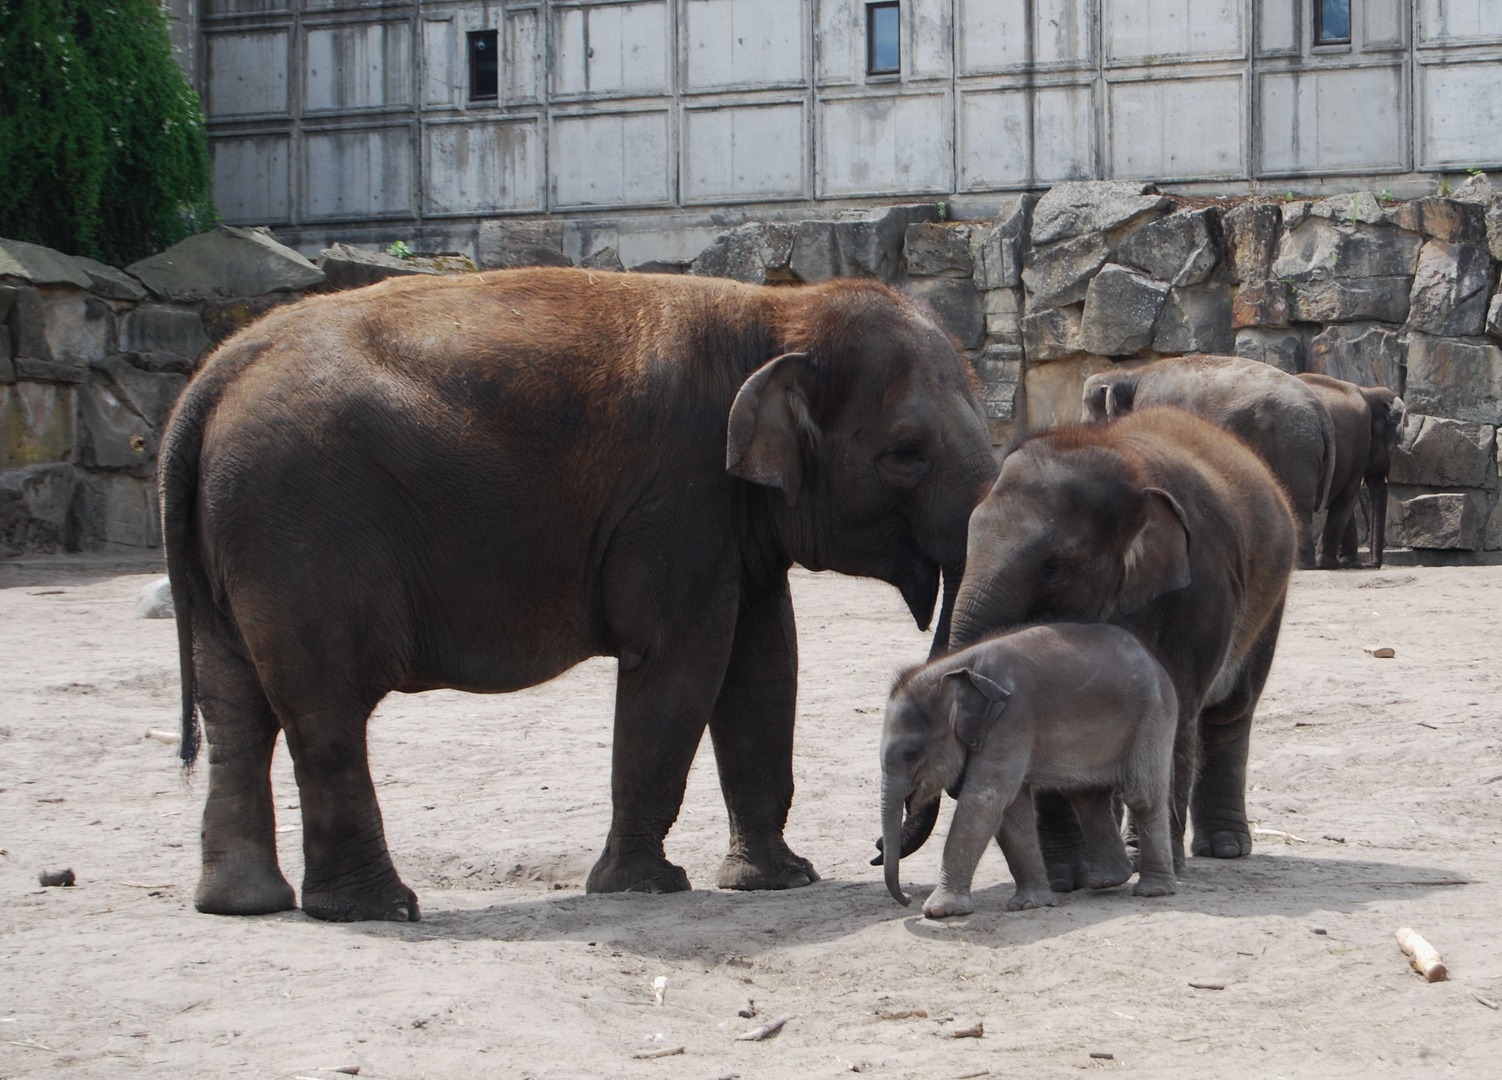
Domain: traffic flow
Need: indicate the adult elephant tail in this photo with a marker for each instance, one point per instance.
(1327, 476)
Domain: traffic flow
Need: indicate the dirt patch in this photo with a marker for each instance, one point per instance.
(1377, 784)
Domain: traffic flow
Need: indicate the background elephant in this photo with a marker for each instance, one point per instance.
(1369, 422)
(1091, 524)
(478, 481)
(1270, 410)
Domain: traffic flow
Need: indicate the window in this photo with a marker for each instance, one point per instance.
(1332, 22)
(883, 39)
(484, 64)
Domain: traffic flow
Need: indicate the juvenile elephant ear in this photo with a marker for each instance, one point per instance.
(1156, 559)
(1121, 396)
(1096, 392)
(768, 423)
(975, 703)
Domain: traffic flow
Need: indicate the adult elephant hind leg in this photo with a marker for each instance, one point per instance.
(240, 872)
(1061, 841)
(1106, 860)
(752, 729)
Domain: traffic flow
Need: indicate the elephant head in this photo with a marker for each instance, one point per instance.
(870, 425)
(1069, 532)
(1389, 418)
(933, 722)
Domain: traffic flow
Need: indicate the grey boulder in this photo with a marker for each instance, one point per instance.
(1281, 347)
(1196, 319)
(756, 252)
(1121, 310)
(41, 265)
(1181, 249)
(1366, 354)
(1060, 273)
(933, 250)
(1076, 207)
(348, 267)
(226, 262)
(1450, 288)
(1438, 452)
(959, 307)
(857, 243)
(154, 601)
(1456, 378)
(998, 260)
(1446, 521)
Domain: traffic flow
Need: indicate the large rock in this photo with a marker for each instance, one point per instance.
(1251, 233)
(1262, 303)
(1282, 348)
(1366, 354)
(119, 511)
(1450, 289)
(1459, 379)
(998, 261)
(607, 258)
(1121, 310)
(41, 265)
(1494, 316)
(150, 395)
(1321, 250)
(756, 252)
(221, 318)
(113, 435)
(939, 250)
(27, 323)
(1060, 273)
(1494, 227)
(1447, 521)
(1004, 315)
(1384, 299)
(959, 307)
(224, 262)
(164, 336)
(506, 244)
(1181, 249)
(348, 267)
(77, 327)
(1355, 207)
(1051, 335)
(857, 243)
(1000, 371)
(110, 283)
(1196, 319)
(34, 506)
(1077, 207)
(38, 422)
(1444, 219)
(1438, 452)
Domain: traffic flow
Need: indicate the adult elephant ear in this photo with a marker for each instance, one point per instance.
(769, 423)
(1156, 559)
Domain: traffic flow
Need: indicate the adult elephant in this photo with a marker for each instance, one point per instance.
(1369, 422)
(1276, 415)
(1173, 529)
(476, 482)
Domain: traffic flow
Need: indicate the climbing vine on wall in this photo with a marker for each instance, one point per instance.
(102, 145)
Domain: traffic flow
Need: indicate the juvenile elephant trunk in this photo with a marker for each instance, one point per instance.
(892, 799)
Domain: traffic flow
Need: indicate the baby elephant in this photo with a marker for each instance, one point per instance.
(1081, 708)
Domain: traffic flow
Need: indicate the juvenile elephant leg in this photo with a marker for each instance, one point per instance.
(752, 730)
(978, 816)
(1061, 841)
(240, 871)
(1018, 836)
(1107, 864)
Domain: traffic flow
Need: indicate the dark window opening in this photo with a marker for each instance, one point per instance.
(883, 39)
(484, 64)
(1332, 22)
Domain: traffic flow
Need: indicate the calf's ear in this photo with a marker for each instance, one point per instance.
(974, 704)
(769, 423)
(1156, 559)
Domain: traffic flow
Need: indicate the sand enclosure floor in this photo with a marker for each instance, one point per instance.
(1383, 774)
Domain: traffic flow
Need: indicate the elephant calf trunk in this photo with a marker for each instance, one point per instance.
(891, 831)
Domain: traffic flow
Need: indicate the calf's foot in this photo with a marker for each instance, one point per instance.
(1027, 899)
(638, 872)
(1109, 873)
(1155, 885)
(945, 903)
(770, 864)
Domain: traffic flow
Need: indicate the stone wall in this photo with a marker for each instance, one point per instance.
(1092, 275)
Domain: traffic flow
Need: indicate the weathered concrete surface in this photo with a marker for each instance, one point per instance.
(1438, 452)
(1121, 310)
(225, 262)
(119, 511)
(113, 435)
(1053, 390)
(1367, 354)
(1076, 207)
(1004, 314)
(1458, 379)
(163, 331)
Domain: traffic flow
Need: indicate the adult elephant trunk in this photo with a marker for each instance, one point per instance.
(893, 795)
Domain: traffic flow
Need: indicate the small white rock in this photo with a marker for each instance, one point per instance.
(660, 990)
(155, 601)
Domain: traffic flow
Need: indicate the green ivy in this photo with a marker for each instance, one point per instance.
(102, 144)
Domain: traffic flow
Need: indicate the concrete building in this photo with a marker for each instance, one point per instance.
(658, 122)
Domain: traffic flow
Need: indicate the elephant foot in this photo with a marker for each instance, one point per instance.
(1325, 562)
(390, 901)
(769, 865)
(1109, 875)
(944, 904)
(645, 872)
(1155, 885)
(1028, 899)
(1221, 843)
(226, 890)
(1065, 877)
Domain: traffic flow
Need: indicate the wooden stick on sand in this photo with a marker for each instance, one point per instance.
(1423, 957)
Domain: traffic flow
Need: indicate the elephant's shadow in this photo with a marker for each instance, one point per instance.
(724, 925)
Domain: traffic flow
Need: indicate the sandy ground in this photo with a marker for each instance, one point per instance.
(496, 806)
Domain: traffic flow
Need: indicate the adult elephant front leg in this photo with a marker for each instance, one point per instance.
(752, 729)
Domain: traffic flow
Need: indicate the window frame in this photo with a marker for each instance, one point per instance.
(477, 37)
(1319, 25)
(871, 10)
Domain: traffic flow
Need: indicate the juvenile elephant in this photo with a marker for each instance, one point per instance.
(1083, 709)
(1369, 422)
(1270, 410)
(1093, 524)
(478, 481)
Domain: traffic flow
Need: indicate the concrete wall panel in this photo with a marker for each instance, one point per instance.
(1451, 22)
(1013, 138)
(441, 72)
(487, 166)
(1462, 115)
(247, 73)
(744, 153)
(522, 64)
(244, 7)
(928, 42)
(1383, 24)
(610, 160)
(1177, 128)
(612, 49)
(996, 34)
(1333, 119)
(359, 66)
(743, 42)
(838, 42)
(1138, 29)
(885, 145)
(356, 174)
(252, 178)
(1278, 27)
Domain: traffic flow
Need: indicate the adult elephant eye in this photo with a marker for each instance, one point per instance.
(904, 466)
(1054, 571)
